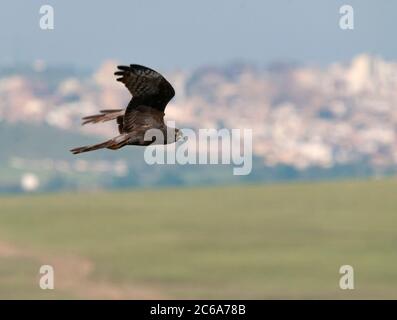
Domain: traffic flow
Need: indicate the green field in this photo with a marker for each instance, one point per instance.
(279, 241)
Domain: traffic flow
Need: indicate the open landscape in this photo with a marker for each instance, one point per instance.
(278, 241)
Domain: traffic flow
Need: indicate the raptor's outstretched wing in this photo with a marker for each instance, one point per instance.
(146, 85)
(150, 94)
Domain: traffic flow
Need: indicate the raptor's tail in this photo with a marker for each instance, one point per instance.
(115, 143)
(105, 115)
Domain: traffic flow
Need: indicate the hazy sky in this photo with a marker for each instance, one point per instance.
(184, 33)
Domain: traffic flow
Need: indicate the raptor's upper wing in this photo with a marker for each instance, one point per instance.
(146, 85)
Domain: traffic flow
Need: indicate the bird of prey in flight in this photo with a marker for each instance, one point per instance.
(150, 94)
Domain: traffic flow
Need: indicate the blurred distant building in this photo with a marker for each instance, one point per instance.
(29, 182)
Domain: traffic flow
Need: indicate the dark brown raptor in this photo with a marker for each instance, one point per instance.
(151, 93)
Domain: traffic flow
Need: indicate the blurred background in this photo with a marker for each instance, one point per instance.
(321, 102)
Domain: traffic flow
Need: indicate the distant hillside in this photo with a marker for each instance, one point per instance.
(43, 150)
(37, 141)
(301, 116)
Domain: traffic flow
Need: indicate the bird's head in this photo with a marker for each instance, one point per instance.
(179, 135)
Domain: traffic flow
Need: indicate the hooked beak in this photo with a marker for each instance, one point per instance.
(180, 136)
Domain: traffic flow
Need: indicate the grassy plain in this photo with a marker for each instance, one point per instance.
(276, 241)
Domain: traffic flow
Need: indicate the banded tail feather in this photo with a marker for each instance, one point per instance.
(105, 115)
(113, 144)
